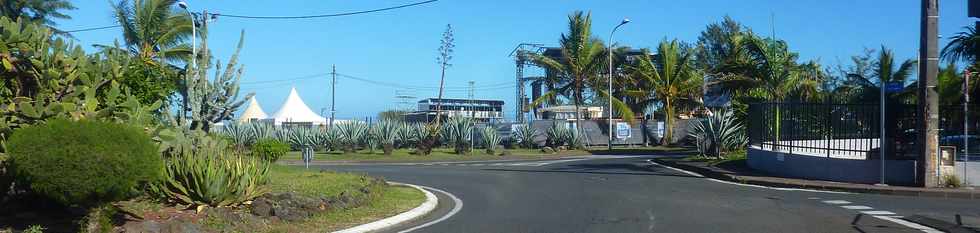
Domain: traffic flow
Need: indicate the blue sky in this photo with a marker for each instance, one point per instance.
(399, 46)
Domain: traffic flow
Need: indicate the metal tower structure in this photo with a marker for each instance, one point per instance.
(405, 99)
(521, 55)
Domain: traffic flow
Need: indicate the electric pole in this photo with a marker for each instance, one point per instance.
(333, 94)
(928, 98)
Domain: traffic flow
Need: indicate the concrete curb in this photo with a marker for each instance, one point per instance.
(425, 208)
(901, 191)
(356, 163)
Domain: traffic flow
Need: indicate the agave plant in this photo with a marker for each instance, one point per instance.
(385, 134)
(491, 139)
(211, 176)
(558, 135)
(718, 134)
(240, 134)
(458, 131)
(404, 134)
(307, 139)
(264, 131)
(575, 140)
(524, 136)
(352, 134)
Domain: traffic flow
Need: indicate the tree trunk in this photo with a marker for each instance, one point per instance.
(388, 148)
(668, 122)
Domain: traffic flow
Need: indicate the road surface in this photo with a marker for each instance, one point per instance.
(628, 194)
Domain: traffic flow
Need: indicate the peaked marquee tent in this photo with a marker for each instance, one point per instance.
(295, 110)
(252, 112)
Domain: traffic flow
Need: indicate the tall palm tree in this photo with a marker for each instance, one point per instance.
(154, 31)
(671, 77)
(42, 11)
(579, 66)
(964, 46)
(884, 70)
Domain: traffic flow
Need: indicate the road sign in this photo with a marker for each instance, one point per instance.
(623, 130)
(894, 86)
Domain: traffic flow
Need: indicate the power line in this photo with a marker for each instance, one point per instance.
(401, 86)
(326, 15)
(93, 29)
(281, 17)
(285, 80)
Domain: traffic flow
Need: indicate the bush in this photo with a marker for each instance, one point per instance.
(84, 162)
(951, 181)
(213, 176)
(718, 134)
(269, 149)
(524, 135)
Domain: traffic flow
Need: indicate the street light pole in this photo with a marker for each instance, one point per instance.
(610, 74)
(183, 5)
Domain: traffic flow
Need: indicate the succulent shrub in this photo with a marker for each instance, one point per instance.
(558, 135)
(241, 135)
(457, 132)
(404, 135)
(718, 134)
(269, 149)
(83, 162)
(524, 135)
(385, 134)
(352, 134)
(491, 139)
(212, 176)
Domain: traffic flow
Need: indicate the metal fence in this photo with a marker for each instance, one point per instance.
(845, 130)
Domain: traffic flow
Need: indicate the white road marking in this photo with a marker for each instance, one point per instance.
(497, 164)
(458, 204)
(740, 184)
(878, 212)
(837, 202)
(908, 224)
(857, 207)
(814, 198)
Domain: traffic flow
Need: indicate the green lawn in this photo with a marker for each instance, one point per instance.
(392, 201)
(441, 154)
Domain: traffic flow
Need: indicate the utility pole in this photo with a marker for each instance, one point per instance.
(928, 98)
(472, 114)
(333, 95)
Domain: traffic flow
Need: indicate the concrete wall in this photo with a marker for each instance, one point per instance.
(972, 172)
(898, 172)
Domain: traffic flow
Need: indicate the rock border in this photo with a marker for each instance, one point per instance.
(425, 208)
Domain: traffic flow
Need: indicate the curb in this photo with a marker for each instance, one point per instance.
(425, 208)
(837, 188)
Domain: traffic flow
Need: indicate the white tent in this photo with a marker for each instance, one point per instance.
(295, 110)
(253, 111)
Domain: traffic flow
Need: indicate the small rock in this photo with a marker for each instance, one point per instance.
(547, 150)
(262, 207)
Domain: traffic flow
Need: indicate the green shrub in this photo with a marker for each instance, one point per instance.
(951, 181)
(213, 176)
(269, 149)
(84, 162)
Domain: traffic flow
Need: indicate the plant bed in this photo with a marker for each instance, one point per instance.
(439, 154)
(300, 201)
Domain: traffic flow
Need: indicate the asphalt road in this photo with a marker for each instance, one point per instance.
(631, 195)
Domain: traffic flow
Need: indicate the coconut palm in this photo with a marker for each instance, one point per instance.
(669, 74)
(42, 11)
(884, 70)
(578, 69)
(964, 46)
(154, 31)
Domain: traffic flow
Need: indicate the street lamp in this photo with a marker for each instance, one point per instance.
(183, 5)
(609, 93)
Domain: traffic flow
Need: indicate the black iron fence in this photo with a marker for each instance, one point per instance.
(847, 130)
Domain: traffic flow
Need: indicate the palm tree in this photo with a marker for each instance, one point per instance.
(670, 76)
(154, 31)
(582, 60)
(42, 11)
(885, 71)
(964, 46)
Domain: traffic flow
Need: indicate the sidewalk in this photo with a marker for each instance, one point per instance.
(737, 171)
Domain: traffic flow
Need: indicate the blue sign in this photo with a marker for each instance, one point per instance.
(623, 130)
(894, 87)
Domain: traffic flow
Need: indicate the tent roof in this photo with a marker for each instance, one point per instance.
(295, 110)
(253, 111)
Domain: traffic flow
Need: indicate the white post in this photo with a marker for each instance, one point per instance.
(966, 124)
(881, 142)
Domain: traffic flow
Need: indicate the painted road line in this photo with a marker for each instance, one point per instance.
(878, 212)
(837, 202)
(425, 208)
(908, 224)
(457, 205)
(740, 184)
(856, 207)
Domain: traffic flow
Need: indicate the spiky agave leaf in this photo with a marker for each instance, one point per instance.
(524, 135)
(491, 139)
(717, 134)
(458, 131)
(352, 134)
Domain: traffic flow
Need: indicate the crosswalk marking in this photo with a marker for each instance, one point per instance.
(856, 207)
(837, 202)
(878, 212)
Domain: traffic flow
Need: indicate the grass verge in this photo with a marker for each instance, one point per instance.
(394, 200)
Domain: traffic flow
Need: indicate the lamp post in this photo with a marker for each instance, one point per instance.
(610, 74)
(183, 5)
